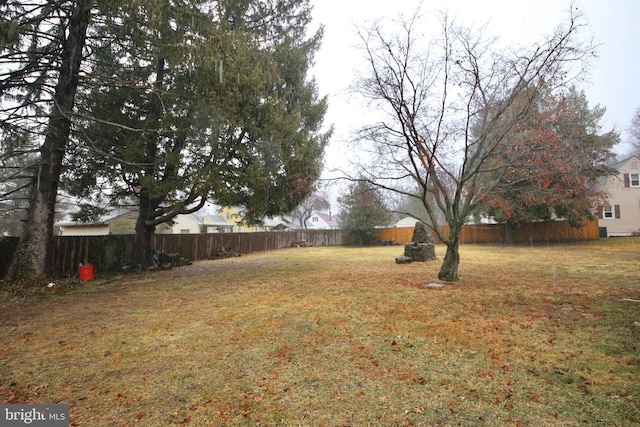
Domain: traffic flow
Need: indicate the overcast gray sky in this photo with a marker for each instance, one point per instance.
(614, 76)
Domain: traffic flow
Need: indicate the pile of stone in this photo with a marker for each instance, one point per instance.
(165, 261)
(421, 247)
(224, 252)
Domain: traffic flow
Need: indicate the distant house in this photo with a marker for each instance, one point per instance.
(321, 221)
(406, 222)
(621, 216)
(281, 227)
(229, 219)
(119, 221)
(279, 223)
(181, 224)
(123, 221)
(232, 216)
(216, 224)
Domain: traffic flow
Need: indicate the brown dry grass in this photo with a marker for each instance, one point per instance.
(341, 336)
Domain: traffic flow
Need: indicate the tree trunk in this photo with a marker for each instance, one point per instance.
(33, 256)
(142, 247)
(449, 268)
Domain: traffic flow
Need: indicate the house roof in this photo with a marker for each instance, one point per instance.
(281, 226)
(105, 219)
(327, 218)
(102, 220)
(216, 220)
(277, 220)
(408, 221)
(621, 163)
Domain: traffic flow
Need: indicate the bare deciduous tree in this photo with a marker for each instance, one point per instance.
(634, 131)
(447, 103)
(316, 202)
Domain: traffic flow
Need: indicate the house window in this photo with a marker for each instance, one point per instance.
(611, 212)
(314, 219)
(634, 179)
(228, 215)
(184, 231)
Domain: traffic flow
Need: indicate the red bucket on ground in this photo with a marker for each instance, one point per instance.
(85, 272)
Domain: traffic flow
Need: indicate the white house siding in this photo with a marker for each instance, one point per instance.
(182, 224)
(321, 221)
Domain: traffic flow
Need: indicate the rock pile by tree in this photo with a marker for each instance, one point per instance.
(421, 248)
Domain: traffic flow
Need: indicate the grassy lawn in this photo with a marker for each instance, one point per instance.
(546, 335)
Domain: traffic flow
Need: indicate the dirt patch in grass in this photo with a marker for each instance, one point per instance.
(340, 336)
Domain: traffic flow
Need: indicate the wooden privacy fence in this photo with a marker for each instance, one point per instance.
(111, 253)
(203, 246)
(535, 232)
(555, 232)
